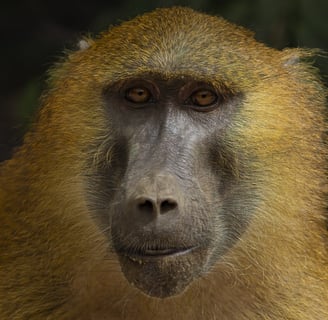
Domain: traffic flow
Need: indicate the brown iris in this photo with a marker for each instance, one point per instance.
(203, 98)
(138, 95)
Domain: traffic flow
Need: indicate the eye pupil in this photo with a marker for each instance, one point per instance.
(138, 95)
(203, 98)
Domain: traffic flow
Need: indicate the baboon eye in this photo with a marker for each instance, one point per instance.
(138, 95)
(203, 98)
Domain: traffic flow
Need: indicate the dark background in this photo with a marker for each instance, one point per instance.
(34, 34)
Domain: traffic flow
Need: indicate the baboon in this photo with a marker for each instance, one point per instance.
(175, 170)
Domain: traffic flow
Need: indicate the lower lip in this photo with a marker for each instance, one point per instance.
(159, 254)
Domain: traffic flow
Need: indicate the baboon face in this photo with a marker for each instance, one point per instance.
(172, 188)
(174, 200)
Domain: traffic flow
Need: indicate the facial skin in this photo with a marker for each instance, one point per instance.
(172, 213)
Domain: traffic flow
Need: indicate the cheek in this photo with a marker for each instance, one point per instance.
(106, 169)
(231, 185)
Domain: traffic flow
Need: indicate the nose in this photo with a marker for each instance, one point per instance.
(155, 195)
(154, 205)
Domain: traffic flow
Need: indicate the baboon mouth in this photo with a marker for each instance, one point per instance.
(162, 272)
(155, 253)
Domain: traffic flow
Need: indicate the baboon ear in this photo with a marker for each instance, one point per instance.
(295, 56)
(84, 43)
(291, 58)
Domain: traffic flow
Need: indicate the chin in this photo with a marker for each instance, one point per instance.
(163, 273)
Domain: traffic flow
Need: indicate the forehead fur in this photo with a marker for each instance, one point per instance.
(181, 41)
(177, 42)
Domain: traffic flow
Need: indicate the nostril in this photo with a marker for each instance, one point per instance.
(146, 206)
(149, 206)
(168, 205)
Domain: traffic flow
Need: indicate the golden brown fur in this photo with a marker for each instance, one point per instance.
(54, 261)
